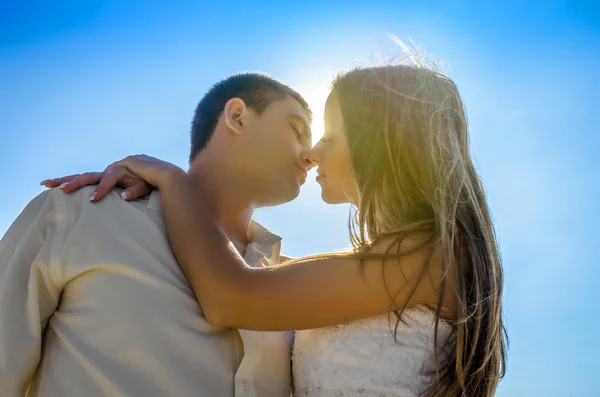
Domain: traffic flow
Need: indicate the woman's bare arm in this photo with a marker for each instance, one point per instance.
(297, 295)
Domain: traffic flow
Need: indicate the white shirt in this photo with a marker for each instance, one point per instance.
(93, 303)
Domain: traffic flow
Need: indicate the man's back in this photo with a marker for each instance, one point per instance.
(118, 314)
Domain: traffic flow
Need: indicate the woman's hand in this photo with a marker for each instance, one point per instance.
(136, 174)
(113, 176)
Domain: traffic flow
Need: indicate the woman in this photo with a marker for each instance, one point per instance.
(396, 146)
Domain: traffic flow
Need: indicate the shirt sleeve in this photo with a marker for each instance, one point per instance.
(30, 288)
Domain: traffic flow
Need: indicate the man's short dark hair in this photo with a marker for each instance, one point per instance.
(256, 90)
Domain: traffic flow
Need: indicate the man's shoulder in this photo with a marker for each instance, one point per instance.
(78, 203)
(76, 199)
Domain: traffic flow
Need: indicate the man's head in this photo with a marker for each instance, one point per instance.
(261, 130)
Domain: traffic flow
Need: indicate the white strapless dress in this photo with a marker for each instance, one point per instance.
(362, 359)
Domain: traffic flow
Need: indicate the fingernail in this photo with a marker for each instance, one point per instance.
(93, 196)
(125, 195)
(42, 183)
(63, 185)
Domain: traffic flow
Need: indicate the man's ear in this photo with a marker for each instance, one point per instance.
(236, 115)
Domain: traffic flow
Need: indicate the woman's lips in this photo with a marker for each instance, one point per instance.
(320, 175)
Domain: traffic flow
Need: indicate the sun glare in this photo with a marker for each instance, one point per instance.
(316, 95)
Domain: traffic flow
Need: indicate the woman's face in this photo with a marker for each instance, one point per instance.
(332, 157)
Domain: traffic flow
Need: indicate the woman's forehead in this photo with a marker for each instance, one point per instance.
(333, 112)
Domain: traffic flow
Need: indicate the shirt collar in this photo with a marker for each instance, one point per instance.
(262, 244)
(154, 201)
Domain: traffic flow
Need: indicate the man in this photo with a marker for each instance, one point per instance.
(92, 300)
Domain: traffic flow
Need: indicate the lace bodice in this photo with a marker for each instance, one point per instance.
(362, 358)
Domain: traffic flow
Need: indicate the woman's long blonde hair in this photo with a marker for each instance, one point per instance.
(408, 138)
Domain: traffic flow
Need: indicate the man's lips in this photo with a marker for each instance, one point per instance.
(303, 170)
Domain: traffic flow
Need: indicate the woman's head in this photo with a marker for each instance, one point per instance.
(388, 132)
(396, 145)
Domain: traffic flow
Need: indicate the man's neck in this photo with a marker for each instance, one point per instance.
(224, 195)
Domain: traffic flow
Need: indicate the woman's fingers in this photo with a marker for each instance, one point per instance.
(141, 167)
(150, 169)
(120, 176)
(108, 181)
(137, 191)
(86, 179)
(55, 182)
(136, 174)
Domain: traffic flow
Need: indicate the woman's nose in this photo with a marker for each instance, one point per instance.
(313, 155)
(308, 163)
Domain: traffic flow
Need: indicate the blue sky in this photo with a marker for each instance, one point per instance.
(85, 83)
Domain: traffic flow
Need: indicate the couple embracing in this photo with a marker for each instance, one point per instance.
(148, 280)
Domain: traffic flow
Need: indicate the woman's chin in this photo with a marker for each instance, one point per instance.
(328, 197)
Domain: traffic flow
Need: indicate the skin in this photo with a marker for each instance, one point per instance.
(332, 156)
(294, 296)
(279, 137)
